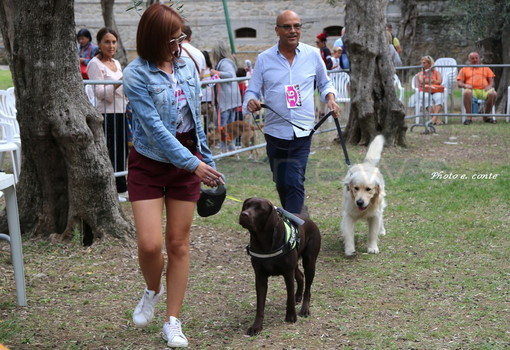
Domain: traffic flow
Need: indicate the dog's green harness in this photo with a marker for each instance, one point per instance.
(291, 241)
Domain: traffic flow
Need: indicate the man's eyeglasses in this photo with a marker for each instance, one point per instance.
(288, 27)
(178, 40)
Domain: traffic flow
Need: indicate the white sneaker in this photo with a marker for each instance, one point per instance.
(124, 195)
(172, 333)
(122, 199)
(144, 311)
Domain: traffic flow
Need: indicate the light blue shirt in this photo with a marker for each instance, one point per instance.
(272, 73)
(343, 59)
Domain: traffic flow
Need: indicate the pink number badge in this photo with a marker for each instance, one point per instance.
(293, 96)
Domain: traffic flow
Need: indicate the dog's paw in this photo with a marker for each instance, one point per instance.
(291, 318)
(373, 250)
(382, 232)
(254, 330)
(298, 298)
(350, 253)
(305, 312)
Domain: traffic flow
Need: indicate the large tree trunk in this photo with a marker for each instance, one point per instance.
(408, 21)
(375, 108)
(504, 81)
(109, 21)
(497, 50)
(66, 177)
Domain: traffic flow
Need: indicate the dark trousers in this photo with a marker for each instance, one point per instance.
(115, 131)
(288, 159)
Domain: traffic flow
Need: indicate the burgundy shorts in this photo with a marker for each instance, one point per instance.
(151, 179)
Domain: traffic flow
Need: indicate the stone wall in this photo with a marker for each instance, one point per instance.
(433, 35)
(207, 20)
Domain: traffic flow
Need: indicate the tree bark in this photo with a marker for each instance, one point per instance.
(504, 81)
(66, 178)
(408, 24)
(109, 21)
(151, 2)
(488, 27)
(496, 50)
(375, 108)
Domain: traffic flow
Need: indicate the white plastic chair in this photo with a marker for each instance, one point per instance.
(449, 74)
(8, 186)
(8, 144)
(399, 87)
(11, 92)
(8, 102)
(89, 90)
(418, 100)
(341, 82)
(481, 105)
(15, 132)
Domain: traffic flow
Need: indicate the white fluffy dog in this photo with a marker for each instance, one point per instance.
(364, 199)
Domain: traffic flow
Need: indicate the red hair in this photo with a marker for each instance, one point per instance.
(159, 23)
(322, 36)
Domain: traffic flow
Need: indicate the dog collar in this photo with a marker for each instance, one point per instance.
(291, 241)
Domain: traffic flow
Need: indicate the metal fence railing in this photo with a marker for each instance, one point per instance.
(452, 103)
(113, 106)
(246, 133)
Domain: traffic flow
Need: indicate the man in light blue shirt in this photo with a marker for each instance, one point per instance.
(287, 75)
(344, 61)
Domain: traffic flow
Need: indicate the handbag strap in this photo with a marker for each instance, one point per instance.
(190, 56)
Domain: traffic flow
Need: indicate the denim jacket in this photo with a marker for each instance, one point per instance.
(155, 114)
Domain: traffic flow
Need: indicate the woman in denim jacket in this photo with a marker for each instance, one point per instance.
(169, 160)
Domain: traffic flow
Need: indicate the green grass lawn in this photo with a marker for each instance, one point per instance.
(441, 280)
(5, 79)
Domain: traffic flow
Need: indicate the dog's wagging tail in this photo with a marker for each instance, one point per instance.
(375, 149)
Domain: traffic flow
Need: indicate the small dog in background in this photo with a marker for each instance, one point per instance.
(364, 199)
(239, 128)
(275, 249)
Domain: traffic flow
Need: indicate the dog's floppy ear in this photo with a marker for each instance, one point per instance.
(351, 190)
(348, 178)
(245, 202)
(271, 217)
(379, 181)
(379, 193)
(376, 198)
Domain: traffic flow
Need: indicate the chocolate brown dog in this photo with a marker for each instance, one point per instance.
(274, 253)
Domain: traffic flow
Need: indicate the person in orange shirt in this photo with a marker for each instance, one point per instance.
(477, 82)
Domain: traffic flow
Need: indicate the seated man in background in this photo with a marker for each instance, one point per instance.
(478, 83)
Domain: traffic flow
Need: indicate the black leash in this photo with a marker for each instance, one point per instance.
(288, 121)
(340, 135)
(317, 126)
(342, 141)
